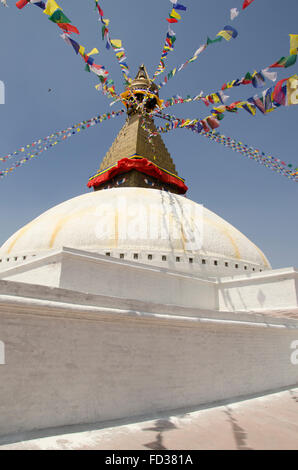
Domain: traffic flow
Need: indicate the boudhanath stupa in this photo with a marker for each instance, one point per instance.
(132, 299)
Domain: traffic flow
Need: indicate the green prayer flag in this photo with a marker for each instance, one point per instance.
(290, 60)
(212, 41)
(59, 17)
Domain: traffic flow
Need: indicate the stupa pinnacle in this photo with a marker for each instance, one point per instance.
(132, 160)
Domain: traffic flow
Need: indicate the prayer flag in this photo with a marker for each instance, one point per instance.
(21, 4)
(59, 17)
(258, 80)
(270, 75)
(116, 43)
(212, 41)
(51, 7)
(292, 90)
(69, 28)
(246, 4)
(174, 14)
(293, 44)
(178, 6)
(234, 13)
(228, 33)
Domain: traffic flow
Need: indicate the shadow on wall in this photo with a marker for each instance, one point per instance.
(240, 304)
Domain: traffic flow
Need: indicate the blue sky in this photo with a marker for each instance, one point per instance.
(33, 58)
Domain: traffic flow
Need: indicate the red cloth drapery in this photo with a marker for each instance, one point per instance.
(143, 166)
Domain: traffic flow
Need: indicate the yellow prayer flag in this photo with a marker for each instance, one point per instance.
(215, 98)
(51, 7)
(106, 21)
(193, 58)
(227, 36)
(82, 50)
(116, 43)
(94, 51)
(292, 90)
(293, 44)
(174, 14)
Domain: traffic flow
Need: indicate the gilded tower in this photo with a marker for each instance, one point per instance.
(134, 159)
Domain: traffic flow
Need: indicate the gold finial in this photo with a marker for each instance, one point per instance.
(141, 91)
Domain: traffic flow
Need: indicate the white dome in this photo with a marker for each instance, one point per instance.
(143, 225)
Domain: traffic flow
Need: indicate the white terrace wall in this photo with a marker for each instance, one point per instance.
(97, 274)
(273, 290)
(67, 363)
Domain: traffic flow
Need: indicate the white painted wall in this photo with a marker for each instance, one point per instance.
(69, 363)
(83, 271)
(277, 289)
(87, 272)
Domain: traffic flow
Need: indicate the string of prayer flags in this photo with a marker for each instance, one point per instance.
(271, 99)
(79, 49)
(116, 45)
(272, 163)
(284, 93)
(257, 79)
(121, 57)
(174, 17)
(91, 66)
(182, 66)
(168, 46)
(34, 149)
(171, 36)
(212, 98)
(55, 13)
(227, 32)
(234, 12)
(105, 24)
(293, 44)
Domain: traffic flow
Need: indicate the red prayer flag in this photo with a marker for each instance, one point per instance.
(172, 20)
(99, 10)
(277, 64)
(278, 95)
(205, 126)
(246, 4)
(22, 3)
(68, 28)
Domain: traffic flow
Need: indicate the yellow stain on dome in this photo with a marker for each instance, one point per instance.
(224, 230)
(19, 235)
(63, 220)
(262, 256)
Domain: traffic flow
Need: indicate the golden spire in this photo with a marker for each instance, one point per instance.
(134, 160)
